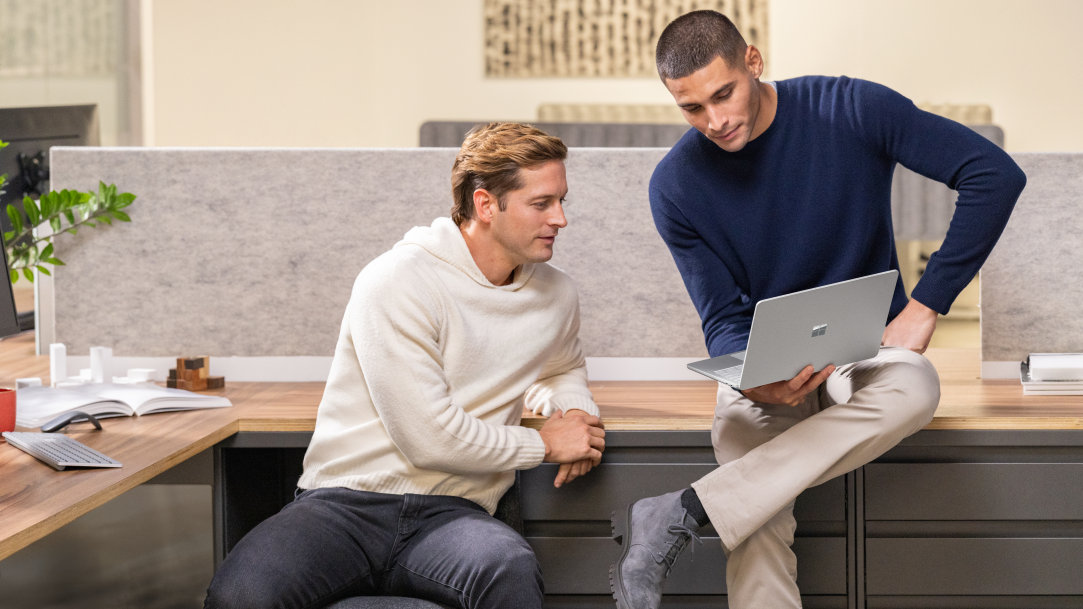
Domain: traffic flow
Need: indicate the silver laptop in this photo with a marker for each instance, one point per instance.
(838, 323)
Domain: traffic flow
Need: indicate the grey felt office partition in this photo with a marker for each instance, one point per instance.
(1032, 284)
(252, 252)
(244, 252)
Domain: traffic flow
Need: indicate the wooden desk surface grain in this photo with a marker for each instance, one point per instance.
(36, 500)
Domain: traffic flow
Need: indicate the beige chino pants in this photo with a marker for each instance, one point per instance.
(769, 454)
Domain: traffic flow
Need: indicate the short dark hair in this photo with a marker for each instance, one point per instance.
(491, 157)
(693, 40)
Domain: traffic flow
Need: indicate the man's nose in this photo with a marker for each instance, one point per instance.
(557, 218)
(716, 118)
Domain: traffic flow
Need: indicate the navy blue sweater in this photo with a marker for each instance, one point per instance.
(808, 202)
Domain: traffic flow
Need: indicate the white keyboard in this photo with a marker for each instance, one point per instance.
(57, 450)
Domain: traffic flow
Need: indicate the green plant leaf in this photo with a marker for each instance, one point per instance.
(33, 214)
(79, 208)
(15, 217)
(46, 204)
(16, 220)
(72, 200)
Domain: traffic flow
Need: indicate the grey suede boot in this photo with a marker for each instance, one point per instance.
(658, 528)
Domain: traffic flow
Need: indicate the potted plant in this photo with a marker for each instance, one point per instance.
(64, 211)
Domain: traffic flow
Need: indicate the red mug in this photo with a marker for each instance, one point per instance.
(7, 409)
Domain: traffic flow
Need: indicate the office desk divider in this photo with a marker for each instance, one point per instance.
(256, 250)
(253, 252)
(1031, 286)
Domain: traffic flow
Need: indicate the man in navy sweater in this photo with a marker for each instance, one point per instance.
(779, 187)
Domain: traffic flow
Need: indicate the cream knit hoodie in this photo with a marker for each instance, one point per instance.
(433, 367)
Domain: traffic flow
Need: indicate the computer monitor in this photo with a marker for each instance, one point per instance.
(30, 133)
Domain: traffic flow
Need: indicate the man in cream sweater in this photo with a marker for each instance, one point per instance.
(445, 339)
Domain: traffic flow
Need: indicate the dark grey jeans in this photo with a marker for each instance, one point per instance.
(330, 544)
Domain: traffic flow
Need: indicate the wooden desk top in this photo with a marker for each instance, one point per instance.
(35, 500)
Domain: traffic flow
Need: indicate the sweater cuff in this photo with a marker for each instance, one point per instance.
(532, 448)
(935, 297)
(576, 402)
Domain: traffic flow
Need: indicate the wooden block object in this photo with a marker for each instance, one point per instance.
(191, 363)
(193, 381)
(193, 374)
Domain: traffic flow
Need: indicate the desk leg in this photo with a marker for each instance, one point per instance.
(250, 485)
(217, 501)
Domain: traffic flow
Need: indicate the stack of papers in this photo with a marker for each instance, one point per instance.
(1052, 374)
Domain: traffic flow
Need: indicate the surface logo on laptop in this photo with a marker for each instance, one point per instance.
(819, 330)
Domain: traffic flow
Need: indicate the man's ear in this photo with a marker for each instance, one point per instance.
(484, 205)
(753, 61)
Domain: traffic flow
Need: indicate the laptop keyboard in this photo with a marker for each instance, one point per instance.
(731, 375)
(57, 450)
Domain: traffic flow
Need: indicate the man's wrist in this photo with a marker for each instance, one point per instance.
(917, 306)
(548, 451)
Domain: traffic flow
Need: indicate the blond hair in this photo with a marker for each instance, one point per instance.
(491, 157)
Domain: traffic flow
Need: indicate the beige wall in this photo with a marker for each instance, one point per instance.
(336, 72)
(1023, 58)
(369, 72)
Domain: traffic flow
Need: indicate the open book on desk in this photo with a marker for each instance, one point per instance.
(36, 406)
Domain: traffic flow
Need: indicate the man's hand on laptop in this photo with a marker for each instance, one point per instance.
(793, 391)
(912, 328)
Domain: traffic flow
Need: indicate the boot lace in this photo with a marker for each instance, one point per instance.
(682, 534)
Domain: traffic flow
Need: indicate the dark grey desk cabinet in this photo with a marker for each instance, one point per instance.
(974, 519)
(948, 519)
(569, 527)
